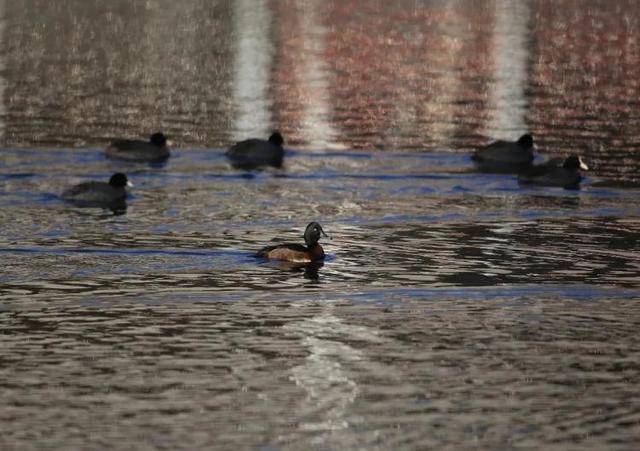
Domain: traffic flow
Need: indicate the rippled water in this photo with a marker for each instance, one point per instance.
(455, 309)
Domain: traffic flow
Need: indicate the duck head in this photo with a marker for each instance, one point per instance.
(312, 234)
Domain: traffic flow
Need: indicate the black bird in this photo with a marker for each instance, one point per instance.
(255, 153)
(154, 150)
(99, 193)
(505, 156)
(552, 173)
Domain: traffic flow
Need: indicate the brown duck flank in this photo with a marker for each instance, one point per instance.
(298, 253)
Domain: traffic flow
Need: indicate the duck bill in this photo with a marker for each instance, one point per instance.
(583, 166)
(324, 234)
(129, 184)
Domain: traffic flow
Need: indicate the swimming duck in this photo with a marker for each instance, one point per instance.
(505, 156)
(99, 193)
(155, 150)
(298, 253)
(552, 173)
(254, 153)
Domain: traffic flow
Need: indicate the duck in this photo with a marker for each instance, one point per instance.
(556, 173)
(310, 252)
(99, 193)
(154, 150)
(505, 156)
(255, 153)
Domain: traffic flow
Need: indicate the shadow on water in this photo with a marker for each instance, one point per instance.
(310, 271)
(118, 207)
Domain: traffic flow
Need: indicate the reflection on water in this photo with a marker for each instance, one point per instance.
(410, 75)
(329, 389)
(252, 74)
(3, 83)
(511, 55)
(311, 71)
(454, 309)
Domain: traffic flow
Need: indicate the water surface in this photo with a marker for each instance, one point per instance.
(454, 310)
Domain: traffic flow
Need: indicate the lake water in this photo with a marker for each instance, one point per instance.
(455, 310)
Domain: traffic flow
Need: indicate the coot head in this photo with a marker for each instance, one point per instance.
(158, 139)
(119, 180)
(574, 162)
(276, 138)
(526, 141)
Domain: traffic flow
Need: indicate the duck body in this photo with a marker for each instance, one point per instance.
(553, 173)
(98, 193)
(310, 252)
(255, 153)
(154, 150)
(292, 252)
(505, 156)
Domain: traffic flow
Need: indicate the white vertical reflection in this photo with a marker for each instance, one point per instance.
(446, 82)
(3, 82)
(510, 53)
(252, 67)
(327, 376)
(312, 73)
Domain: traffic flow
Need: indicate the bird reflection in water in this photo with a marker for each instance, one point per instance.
(115, 208)
(118, 208)
(310, 270)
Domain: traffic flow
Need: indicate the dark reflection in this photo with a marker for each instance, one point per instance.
(470, 279)
(118, 207)
(309, 270)
(244, 165)
(500, 168)
(158, 164)
(506, 252)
